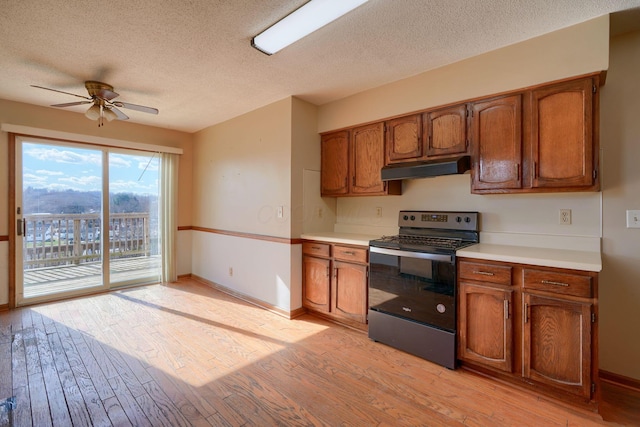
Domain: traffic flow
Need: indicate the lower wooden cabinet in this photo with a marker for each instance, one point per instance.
(534, 326)
(557, 343)
(334, 281)
(349, 291)
(316, 273)
(485, 334)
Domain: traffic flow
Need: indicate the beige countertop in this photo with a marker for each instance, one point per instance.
(547, 257)
(344, 238)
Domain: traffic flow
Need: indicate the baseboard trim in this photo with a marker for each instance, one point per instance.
(259, 303)
(4, 307)
(619, 380)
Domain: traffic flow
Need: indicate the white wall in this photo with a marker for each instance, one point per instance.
(576, 50)
(261, 269)
(242, 173)
(243, 170)
(523, 214)
(620, 278)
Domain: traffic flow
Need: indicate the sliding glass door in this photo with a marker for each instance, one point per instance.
(75, 204)
(133, 221)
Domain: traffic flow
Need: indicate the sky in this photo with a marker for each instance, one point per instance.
(60, 168)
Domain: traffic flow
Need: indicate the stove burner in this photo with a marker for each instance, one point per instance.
(426, 241)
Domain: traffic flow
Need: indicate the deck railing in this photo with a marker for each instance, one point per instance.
(63, 239)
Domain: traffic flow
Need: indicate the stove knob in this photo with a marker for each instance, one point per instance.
(467, 219)
(458, 219)
(406, 217)
(413, 217)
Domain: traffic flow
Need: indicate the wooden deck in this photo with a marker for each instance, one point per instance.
(43, 281)
(187, 355)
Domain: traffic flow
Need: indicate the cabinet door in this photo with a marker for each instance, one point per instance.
(562, 135)
(557, 343)
(496, 134)
(367, 159)
(349, 291)
(334, 173)
(446, 131)
(316, 279)
(404, 139)
(485, 326)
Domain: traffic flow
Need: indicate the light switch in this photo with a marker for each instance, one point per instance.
(633, 219)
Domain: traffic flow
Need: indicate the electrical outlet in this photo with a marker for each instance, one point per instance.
(320, 212)
(565, 216)
(378, 212)
(280, 212)
(230, 271)
(633, 219)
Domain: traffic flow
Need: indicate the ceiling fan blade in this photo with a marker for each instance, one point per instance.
(71, 104)
(142, 108)
(107, 94)
(60, 91)
(120, 114)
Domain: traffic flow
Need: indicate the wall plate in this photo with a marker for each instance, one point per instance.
(633, 219)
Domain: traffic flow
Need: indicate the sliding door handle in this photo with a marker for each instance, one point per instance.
(20, 227)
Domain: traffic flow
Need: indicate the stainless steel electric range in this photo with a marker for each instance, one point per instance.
(412, 283)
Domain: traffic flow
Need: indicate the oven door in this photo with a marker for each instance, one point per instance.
(413, 285)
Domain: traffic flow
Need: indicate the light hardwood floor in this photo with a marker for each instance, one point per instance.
(185, 354)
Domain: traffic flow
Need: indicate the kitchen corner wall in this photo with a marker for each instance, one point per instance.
(577, 50)
(243, 170)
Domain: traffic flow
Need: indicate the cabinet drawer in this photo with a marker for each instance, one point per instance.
(561, 283)
(317, 249)
(500, 274)
(346, 253)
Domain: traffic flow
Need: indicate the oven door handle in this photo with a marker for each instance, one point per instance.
(409, 254)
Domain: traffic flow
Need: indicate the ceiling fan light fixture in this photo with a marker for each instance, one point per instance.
(303, 21)
(109, 114)
(93, 112)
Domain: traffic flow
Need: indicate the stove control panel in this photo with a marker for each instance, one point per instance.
(438, 219)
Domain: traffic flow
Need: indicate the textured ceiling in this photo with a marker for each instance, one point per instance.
(193, 59)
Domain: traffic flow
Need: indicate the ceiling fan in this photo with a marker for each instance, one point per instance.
(102, 96)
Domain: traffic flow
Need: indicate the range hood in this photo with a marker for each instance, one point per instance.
(425, 169)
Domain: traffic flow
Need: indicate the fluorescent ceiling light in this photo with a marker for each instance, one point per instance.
(302, 22)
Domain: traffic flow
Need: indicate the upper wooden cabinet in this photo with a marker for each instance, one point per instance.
(446, 131)
(351, 163)
(367, 158)
(334, 175)
(562, 135)
(540, 140)
(432, 134)
(496, 138)
(404, 139)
